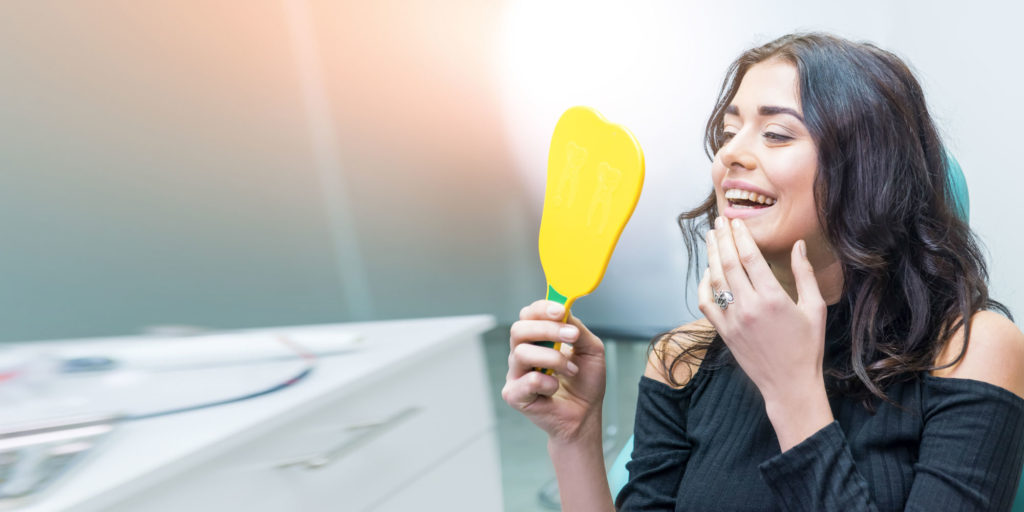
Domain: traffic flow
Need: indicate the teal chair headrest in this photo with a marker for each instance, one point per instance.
(958, 188)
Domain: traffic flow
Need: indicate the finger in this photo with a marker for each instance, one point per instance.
(530, 331)
(525, 357)
(753, 261)
(729, 260)
(585, 343)
(808, 292)
(523, 392)
(716, 278)
(543, 309)
(706, 301)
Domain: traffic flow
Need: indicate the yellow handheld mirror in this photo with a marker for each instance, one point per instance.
(595, 174)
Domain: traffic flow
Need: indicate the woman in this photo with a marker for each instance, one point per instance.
(831, 370)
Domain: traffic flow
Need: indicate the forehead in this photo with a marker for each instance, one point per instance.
(772, 82)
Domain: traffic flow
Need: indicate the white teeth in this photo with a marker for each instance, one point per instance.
(736, 193)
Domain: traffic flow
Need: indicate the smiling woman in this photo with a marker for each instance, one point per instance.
(846, 359)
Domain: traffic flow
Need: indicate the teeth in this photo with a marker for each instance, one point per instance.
(735, 193)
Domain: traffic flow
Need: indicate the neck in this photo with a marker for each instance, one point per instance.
(827, 271)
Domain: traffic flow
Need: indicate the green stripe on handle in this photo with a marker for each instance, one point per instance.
(553, 295)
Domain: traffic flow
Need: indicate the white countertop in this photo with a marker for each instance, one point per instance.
(140, 453)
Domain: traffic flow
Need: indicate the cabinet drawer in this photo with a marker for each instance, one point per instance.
(357, 449)
(469, 481)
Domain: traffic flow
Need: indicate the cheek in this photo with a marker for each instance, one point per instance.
(717, 170)
(796, 177)
(717, 174)
(793, 176)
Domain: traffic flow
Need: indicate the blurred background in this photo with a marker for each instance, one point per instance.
(228, 163)
(233, 163)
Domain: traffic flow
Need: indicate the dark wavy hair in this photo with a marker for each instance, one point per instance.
(912, 268)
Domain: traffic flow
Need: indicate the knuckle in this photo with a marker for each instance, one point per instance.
(515, 331)
(746, 316)
(511, 358)
(747, 257)
(520, 351)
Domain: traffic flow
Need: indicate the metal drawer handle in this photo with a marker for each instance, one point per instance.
(368, 432)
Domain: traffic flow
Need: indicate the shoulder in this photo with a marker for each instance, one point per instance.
(669, 347)
(995, 353)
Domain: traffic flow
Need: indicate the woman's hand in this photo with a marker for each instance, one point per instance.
(779, 343)
(566, 405)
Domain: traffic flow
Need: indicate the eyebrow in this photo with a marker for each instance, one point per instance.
(767, 110)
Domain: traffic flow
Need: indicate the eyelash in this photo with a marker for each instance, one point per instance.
(775, 137)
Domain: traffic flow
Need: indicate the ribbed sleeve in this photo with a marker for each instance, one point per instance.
(970, 456)
(661, 447)
(818, 474)
(971, 448)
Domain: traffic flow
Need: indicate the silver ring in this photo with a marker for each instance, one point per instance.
(723, 299)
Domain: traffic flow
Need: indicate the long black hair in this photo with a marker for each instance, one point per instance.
(912, 269)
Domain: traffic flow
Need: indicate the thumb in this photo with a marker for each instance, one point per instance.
(803, 273)
(586, 343)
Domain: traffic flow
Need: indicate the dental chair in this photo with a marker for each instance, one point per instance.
(617, 475)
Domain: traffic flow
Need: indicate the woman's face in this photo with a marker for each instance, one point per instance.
(764, 174)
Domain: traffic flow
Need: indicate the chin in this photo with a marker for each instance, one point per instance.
(768, 242)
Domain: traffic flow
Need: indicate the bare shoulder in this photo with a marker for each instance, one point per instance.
(995, 353)
(671, 346)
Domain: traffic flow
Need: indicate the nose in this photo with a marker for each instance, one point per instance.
(738, 152)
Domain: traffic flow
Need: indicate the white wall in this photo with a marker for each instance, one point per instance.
(229, 163)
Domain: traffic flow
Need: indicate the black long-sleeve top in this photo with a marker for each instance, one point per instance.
(957, 445)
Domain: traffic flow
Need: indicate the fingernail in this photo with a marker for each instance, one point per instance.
(803, 248)
(736, 223)
(718, 222)
(556, 310)
(567, 333)
(573, 369)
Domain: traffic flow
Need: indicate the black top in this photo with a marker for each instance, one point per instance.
(958, 445)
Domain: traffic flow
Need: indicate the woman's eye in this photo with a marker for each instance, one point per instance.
(727, 136)
(777, 137)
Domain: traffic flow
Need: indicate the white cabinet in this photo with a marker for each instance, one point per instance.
(406, 423)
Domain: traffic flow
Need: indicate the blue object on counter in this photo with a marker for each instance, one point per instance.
(88, 364)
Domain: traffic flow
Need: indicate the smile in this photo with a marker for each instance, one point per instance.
(741, 199)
